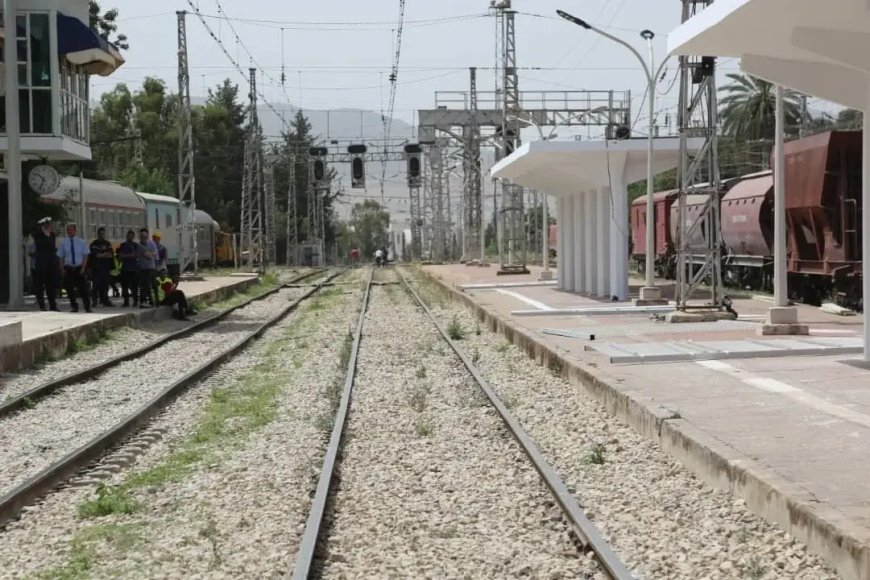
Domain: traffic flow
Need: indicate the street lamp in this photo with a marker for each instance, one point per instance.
(649, 291)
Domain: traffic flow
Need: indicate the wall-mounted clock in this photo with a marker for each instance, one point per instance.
(43, 179)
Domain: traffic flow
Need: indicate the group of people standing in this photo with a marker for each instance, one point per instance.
(139, 267)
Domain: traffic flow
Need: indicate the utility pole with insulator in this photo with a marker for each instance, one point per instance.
(188, 250)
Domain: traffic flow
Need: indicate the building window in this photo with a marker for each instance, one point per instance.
(74, 102)
(34, 74)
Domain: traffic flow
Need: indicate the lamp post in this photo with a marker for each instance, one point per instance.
(650, 292)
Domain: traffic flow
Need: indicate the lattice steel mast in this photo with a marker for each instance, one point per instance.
(252, 219)
(512, 254)
(473, 187)
(292, 227)
(699, 255)
(187, 234)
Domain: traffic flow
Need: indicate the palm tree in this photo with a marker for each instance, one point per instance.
(748, 111)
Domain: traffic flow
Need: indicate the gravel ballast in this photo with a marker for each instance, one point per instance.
(238, 511)
(33, 438)
(660, 519)
(431, 484)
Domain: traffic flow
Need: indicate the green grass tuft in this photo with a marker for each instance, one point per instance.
(109, 500)
(455, 330)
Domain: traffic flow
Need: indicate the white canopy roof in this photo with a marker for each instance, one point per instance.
(812, 46)
(567, 167)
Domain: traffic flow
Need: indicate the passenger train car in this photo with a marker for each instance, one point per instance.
(119, 208)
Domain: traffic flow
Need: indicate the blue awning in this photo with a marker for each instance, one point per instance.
(73, 35)
(83, 46)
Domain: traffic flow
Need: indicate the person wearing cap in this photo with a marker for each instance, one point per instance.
(44, 264)
(161, 251)
(73, 254)
(102, 258)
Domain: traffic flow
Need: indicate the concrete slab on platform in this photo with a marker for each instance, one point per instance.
(10, 333)
(51, 332)
(784, 431)
(726, 349)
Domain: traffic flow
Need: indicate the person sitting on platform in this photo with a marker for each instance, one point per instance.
(168, 294)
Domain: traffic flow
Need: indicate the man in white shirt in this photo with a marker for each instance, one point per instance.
(73, 254)
(379, 257)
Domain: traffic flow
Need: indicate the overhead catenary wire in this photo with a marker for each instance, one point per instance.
(394, 77)
(236, 65)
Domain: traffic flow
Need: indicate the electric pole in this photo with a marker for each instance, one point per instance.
(699, 248)
(187, 231)
(513, 239)
(252, 222)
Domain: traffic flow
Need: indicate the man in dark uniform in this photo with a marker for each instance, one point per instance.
(128, 252)
(102, 260)
(44, 256)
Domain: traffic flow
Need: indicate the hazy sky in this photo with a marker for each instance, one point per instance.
(338, 53)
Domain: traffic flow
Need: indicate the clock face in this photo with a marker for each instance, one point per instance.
(43, 179)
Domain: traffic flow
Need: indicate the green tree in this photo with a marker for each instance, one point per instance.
(294, 147)
(219, 143)
(849, 120)
(154, 180)
(371, 226)
(748, 109)
(104, 23)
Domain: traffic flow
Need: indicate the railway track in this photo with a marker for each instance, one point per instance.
(29, 397)
(81, 456)
(314, 538)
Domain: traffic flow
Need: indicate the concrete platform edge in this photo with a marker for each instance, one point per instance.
(767, 494)
(25, 354)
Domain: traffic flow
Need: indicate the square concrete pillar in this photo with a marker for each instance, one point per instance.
(603, 245)
(560, 245)
(589, 241)
(619, 238)
(579, 229)
(570, 245)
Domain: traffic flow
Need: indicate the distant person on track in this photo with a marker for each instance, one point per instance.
(354, 257)
(162, 254)
(102, 260)
(168, 294)
(73, 255)
(44, 264)
(147, 256)
(129, 253)
(379, 257)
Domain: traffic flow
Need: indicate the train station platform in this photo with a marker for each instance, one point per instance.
(782, 422)
(31, 334)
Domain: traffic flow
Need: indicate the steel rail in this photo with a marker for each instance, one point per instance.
(583, 527)
(48, 478)
(308, 544)
(26, 399)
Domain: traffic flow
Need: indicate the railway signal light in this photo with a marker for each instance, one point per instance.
(318, 166)
(412, 153)
(357, 166)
